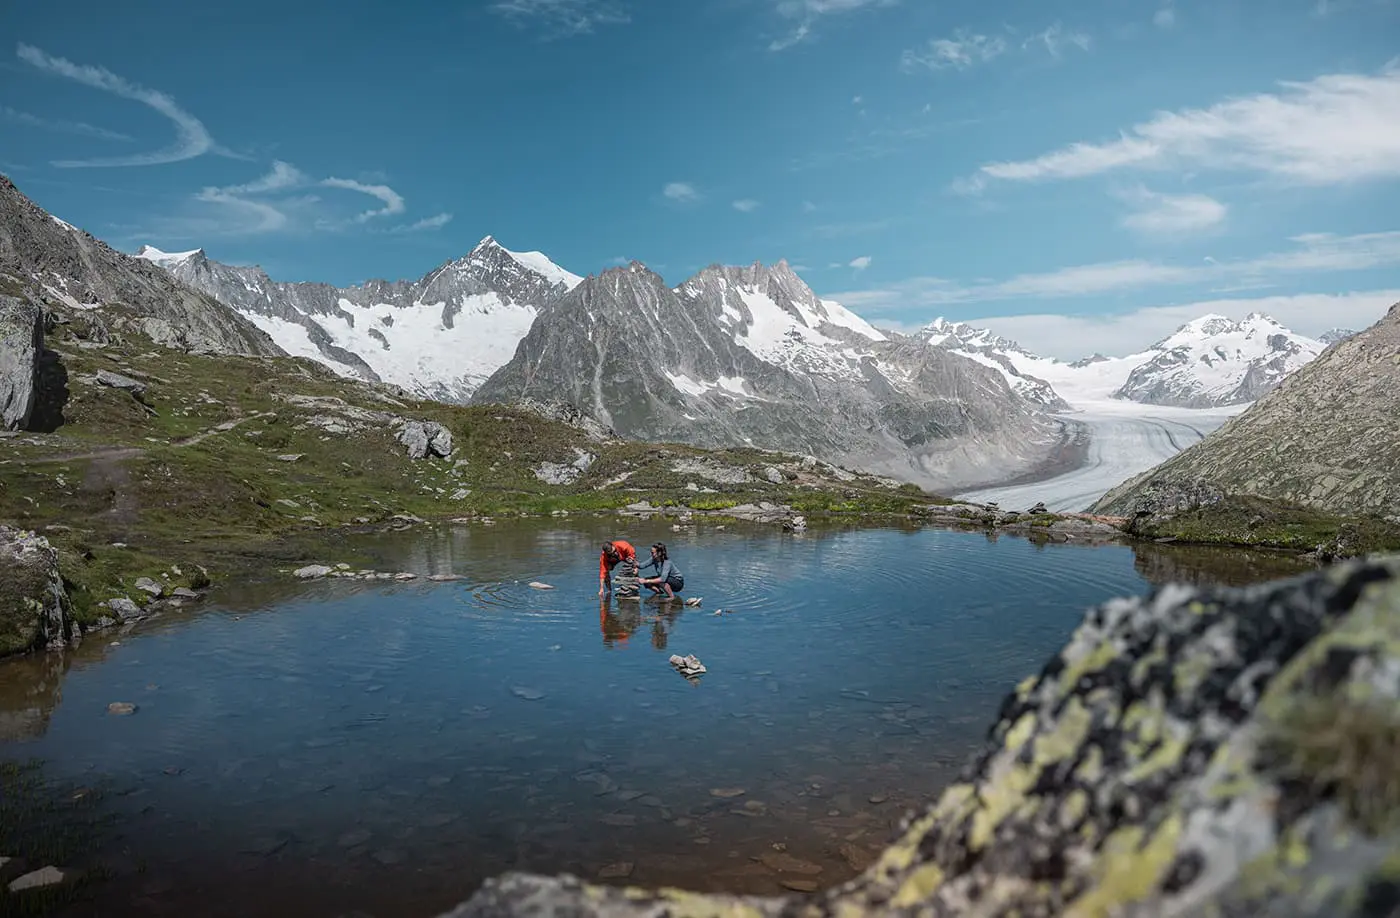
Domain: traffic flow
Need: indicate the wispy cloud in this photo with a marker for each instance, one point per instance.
(1311, 253)
(78, 128)
(1335, 128)
(391, 199)
(191, 137)
(861, 263)
(746, 205)
(1070, 337)
(808, 207)
(806, 13)
(681, 192)
(1164, 18)
(562, 18)
(437, 221)
(960, 52)
(281, 177)
(1057, 39)
(1161, 214)
(968, 49)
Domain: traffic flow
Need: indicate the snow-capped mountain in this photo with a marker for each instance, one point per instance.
(440, 336)
(77, 277)
(1213, 362)
(1210, 362)
(1333, 335)
(999, 353)
(752, 356)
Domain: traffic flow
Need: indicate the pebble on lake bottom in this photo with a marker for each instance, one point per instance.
(619, 871)
(725, 793)
(528, 694)
(37, 879)
(805, 886)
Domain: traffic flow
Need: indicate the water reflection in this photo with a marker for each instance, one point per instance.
(399, 742)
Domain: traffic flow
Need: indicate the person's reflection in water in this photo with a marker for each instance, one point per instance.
(663, 622)
(618, 626)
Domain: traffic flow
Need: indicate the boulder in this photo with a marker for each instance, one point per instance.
(312, 572)
(21, 344)
(1195, 752)
(118, 381)
(424, 438)
(34, 606)
(147, 585)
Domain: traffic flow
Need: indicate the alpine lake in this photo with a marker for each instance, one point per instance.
(344, 747)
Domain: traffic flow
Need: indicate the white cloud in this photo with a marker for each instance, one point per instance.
(392, 200)
(191, 137)
(1170, 214)
(281, 177)
(861, 263)
(1313, 252)
(1164, 18)
(808, 207)
(248, 216)
(437, 221)
(562, 18)
(1070, 337)
(1335, 128)
(857, 100)
(1056, 38)
(682, 192)
(959, 52)
(807, 12)
(747, 205)
(62, 127)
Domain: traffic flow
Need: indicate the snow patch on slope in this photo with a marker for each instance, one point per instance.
(541, 265)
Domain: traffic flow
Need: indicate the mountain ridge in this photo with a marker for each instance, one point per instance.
(438, 336)
(79, 277)
(750, 355)
(1326, 437)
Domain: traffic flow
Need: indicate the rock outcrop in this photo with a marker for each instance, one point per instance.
(34, 606)
(21, 342)
(1327, 437)
(1199, 752)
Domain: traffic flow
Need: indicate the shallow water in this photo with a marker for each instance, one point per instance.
(379, 749)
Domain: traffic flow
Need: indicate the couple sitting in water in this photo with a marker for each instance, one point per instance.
(620, 556)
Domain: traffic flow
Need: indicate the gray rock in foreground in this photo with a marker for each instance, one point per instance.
(1199, 752)
(34, 606)
(21, 340)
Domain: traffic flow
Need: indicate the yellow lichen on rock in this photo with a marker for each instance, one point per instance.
(1131, 867)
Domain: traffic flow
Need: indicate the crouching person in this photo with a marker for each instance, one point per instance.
(617, 570)
(668, 580)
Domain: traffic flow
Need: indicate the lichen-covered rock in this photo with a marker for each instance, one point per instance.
(1201, 752)
(34, 606)
(21, 342)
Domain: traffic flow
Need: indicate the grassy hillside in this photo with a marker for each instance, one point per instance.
(226, 460)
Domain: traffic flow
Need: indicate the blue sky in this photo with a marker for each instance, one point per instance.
(1081, 175)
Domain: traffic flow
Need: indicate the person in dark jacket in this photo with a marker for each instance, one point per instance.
(668, 579)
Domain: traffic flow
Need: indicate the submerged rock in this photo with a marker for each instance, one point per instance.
(34, 607)
(1197, 752)
(37, 879)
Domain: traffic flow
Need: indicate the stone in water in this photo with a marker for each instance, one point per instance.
(528, 694)
(536, 585)
(47, 876)
(121, 708)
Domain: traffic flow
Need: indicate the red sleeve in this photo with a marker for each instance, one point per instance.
(602, 566)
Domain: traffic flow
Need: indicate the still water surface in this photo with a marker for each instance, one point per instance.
(340, 748)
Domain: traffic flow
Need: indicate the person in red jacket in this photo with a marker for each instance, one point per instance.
(621, 555)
